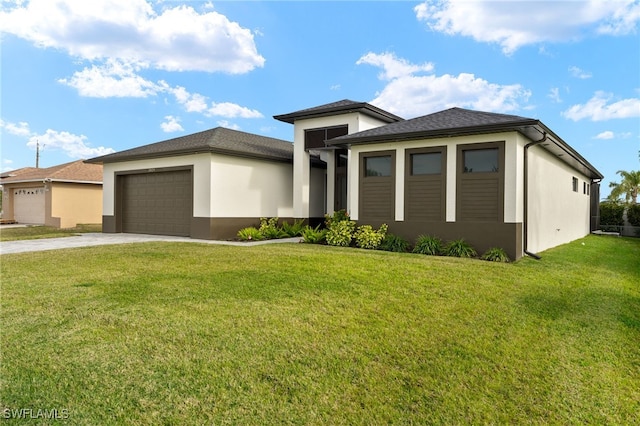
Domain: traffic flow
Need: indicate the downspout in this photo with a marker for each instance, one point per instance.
(526, 196)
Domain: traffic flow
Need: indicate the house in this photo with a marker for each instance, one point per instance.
(206, 185)
(496, 180)
(61, 196)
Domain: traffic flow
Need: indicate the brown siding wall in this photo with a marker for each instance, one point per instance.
(377, 193)
(425, 195)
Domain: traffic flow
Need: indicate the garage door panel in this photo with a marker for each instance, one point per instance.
(29, 205)
(157, 203)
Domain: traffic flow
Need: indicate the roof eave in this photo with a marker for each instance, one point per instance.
(156, 155)
(361, 107)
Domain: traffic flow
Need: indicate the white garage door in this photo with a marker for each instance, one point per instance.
(28, 205)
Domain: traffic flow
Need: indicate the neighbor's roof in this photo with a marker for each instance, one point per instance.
(463, 122)
(75, 171)
(218, 140)
(340, 107)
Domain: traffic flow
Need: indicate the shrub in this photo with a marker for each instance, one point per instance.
(313, 235)
(611, 216)
(293, 230)
(250, 234)
(269, 228)
(368, 238)
(459, 248)
(426, 244)
(394, 243)
(340, 233)
(496, 254)
(633, 214)
(338, 216)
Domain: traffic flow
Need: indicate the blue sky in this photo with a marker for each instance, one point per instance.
(85, 78)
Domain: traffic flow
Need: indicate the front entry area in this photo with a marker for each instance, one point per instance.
(159, 203)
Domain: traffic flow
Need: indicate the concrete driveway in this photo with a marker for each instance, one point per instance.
(99, 239)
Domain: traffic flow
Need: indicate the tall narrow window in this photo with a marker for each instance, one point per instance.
(575, 184)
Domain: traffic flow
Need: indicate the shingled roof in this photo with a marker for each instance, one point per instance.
(218, 140)
(344, 106)
(450, 121)
(463, 122)
(75, 171)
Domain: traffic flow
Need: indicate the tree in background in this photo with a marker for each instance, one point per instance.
(629, 186)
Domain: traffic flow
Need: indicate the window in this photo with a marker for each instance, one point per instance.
(575, 184)
(481, 160)
(314, 138)
(426, 164)
(377, 166)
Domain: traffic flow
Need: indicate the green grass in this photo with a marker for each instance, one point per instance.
(37, 232)
(176, 333)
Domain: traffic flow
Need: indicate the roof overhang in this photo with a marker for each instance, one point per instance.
(356, 107)
(532, 129)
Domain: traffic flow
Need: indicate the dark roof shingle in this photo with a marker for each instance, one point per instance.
(219, 139)
(343, 106)
(451, 120)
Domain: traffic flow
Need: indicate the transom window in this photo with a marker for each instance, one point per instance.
(377, 166)
(314, 138)
(481, 160)
(426, 163)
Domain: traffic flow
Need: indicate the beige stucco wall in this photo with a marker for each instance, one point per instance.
(223, 186)
(72, 203)
(556, 214)
(242, 187)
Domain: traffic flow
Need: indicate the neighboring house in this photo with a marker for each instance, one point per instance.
(495, 180)
(60, 196)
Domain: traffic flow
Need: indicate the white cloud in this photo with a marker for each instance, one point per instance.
(514, 24)
(554, 94)
(411, 95)
(75, 146)
(600, 108)
(17, 129)
(114, 79)
(579, 73)
(177, 39)
(392, 66)
(608, 134)
(228, 125)
(171, 124)
(230, 110)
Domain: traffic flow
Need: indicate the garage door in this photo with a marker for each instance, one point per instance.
(157, 203)
(28, 205)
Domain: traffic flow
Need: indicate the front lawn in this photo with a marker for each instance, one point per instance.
(33, 232)
(181, 333)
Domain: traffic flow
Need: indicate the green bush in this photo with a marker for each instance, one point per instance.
(611, 216)
(269, 228)
(633, 214)
(340, 233)
(368, 238)
(338, 216)
(394, 243)
(313, 235)
(250, 234)
(427, 244)
(495, 254)
(293, 230)
(459, 248)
